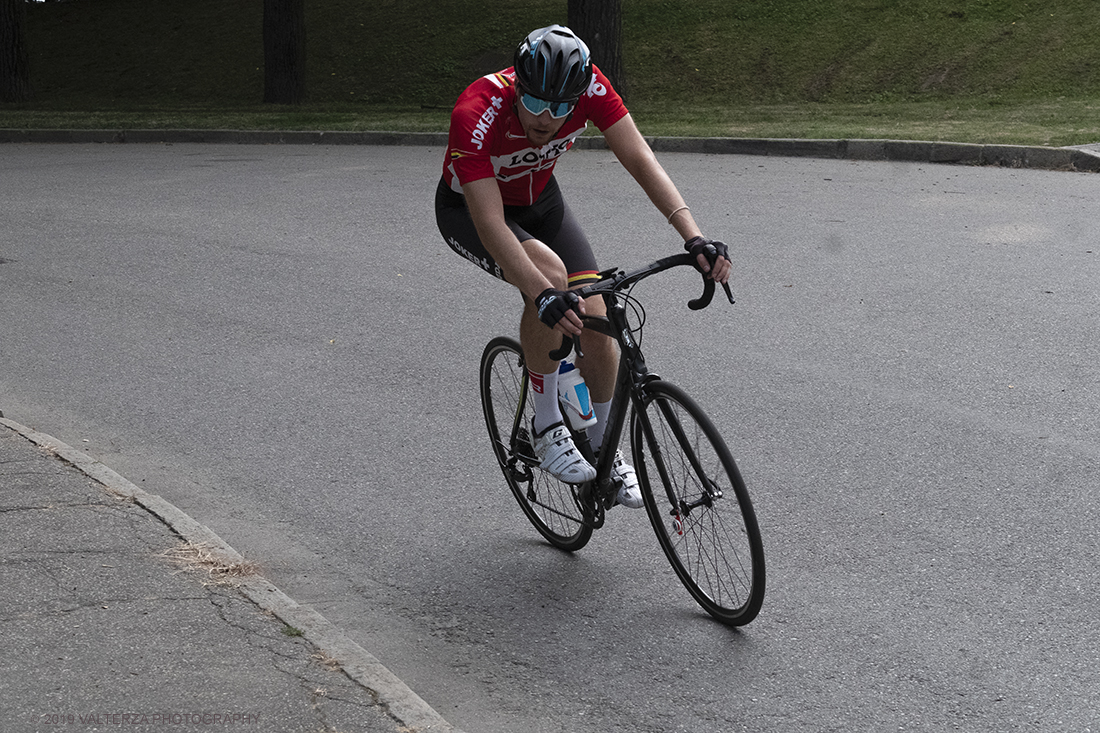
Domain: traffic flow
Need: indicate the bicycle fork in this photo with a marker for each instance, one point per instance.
(680, 507)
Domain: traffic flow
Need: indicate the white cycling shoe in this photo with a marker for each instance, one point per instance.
(559, 457)
(630, 494)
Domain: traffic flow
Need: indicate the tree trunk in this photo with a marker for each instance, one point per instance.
(284, 51)
(15, 78)
(599, 23)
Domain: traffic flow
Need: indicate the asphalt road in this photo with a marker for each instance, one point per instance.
(276, 340)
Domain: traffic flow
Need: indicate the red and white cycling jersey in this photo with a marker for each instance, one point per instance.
(487, 140)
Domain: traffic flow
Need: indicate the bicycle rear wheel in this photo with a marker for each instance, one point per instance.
(551, 505)
(698, 504)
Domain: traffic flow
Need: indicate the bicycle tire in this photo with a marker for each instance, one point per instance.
(550, 505)
(707, 528)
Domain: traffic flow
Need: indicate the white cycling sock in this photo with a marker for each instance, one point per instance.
(544, 395)
(602, 411)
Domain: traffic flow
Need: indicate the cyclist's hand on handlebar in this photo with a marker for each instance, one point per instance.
(558, 309)
(712, 258)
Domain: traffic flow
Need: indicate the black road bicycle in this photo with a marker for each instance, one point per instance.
(694, 495)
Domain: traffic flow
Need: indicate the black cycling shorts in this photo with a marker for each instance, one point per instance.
(548, 220)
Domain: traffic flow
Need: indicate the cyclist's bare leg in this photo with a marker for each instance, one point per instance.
(600, 363)
(538, 340)
(552, 443)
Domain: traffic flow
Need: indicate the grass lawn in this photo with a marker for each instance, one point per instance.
(979, 71)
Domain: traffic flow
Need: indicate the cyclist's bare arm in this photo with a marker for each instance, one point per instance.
(634, 153)
(487, 211)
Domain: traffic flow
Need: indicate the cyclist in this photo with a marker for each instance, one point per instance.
(499, 205)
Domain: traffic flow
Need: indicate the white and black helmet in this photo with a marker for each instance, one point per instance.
(553, 64)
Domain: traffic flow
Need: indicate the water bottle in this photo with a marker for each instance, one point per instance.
(573, 394)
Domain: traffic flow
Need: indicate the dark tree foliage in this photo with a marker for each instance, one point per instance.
(284, 51)
(15, 84)
(600, 24)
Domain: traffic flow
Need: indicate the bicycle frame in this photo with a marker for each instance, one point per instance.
(702, 514)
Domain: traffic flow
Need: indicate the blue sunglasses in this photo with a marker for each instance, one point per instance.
(537, 106)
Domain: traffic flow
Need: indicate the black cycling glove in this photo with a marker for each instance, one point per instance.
(554, 304)
(711, 249)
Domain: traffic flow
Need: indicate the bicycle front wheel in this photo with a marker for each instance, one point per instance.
(550, 505)
(698, 504)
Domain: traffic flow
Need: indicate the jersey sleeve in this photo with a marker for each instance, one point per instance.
(474, 128)
(602, 104)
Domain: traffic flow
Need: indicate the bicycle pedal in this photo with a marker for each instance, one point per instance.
(609, 490)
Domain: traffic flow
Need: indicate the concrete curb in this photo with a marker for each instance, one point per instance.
(1081, 158)
(402, 704)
